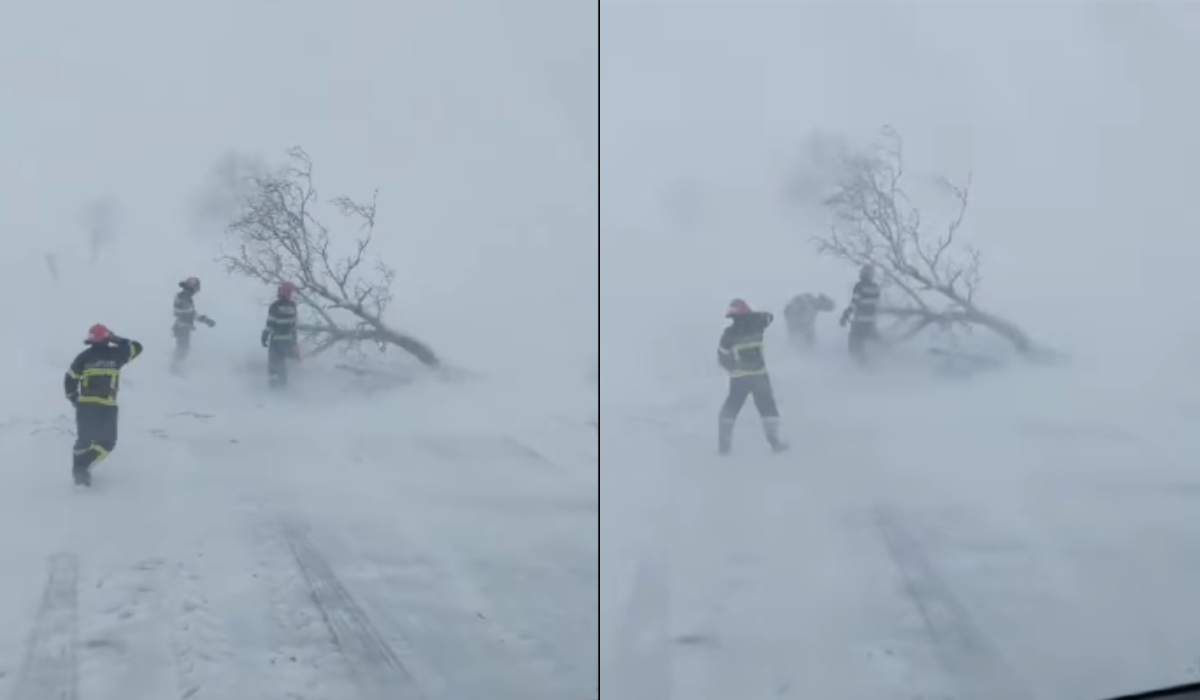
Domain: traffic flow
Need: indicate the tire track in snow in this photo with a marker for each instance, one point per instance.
(967, 655)
(49, 671)
(377, 670)
(306, 663)
(199, 643)
(641, 662)
(466, 648)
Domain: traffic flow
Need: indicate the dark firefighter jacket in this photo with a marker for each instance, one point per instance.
(281, 322)
(802, 310)
(864, 303)
(95, 375)
(740, 351)
(185, 310)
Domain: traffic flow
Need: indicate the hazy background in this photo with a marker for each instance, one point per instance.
(1025, 490)
(1075, 118)
(476, 121)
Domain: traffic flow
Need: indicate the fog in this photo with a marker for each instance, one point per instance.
(1077, 138)
(472, 121)
(426, 506)
(1077, 125)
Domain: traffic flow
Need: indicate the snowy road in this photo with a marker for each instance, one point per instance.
(1022, 538)
(267, 549)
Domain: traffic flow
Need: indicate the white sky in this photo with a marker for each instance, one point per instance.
(1077, 120)
(475, 119)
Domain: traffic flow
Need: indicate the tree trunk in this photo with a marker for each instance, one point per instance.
(1006, 329)
(416, 348)
(970, 314)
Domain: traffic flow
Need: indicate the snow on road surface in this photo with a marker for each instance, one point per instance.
(1031, 534)
(423, 543)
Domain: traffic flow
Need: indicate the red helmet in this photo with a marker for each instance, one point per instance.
(98, 334)
(738, 307)
(287, 290)
(192, 283)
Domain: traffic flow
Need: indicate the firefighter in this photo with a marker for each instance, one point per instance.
(800, 315)
(279, 337)
(740, 353)
(185, 320)
(861, 314)
(91, 385)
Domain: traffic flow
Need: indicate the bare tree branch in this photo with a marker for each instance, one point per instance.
(873, 221)
(278, 238)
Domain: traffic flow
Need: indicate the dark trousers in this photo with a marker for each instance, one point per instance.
(757, 386)
(183, 344)
(861, 336)
(95, 434)
(802, 337)
(278, 355)
(741, 388)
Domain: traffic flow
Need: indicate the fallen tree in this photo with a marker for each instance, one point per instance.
(930, 280)
(277, 238)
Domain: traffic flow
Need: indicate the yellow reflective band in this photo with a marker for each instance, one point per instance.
(737, 349)
(110, 399)
(98, 400)
(101, 453)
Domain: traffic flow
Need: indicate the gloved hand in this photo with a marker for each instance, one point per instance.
(266, 338)
(73, 400)
(844, 320)
(206, 320)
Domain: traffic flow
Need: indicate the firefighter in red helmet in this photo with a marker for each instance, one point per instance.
(279, 336)
(185, 320)
(91, 384)
(740, 353)
(862, 314)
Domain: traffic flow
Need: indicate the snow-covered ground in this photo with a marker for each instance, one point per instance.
(1018, 535)
(425, 543)
(241, 545)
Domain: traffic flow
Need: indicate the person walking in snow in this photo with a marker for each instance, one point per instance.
(185, 320)
(740, 354)
(279, 336)
(91, 385)
(800, 316)
(861, 314)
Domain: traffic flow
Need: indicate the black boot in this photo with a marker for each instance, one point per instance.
(83, 476)
(725, 436)
(771, 428)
